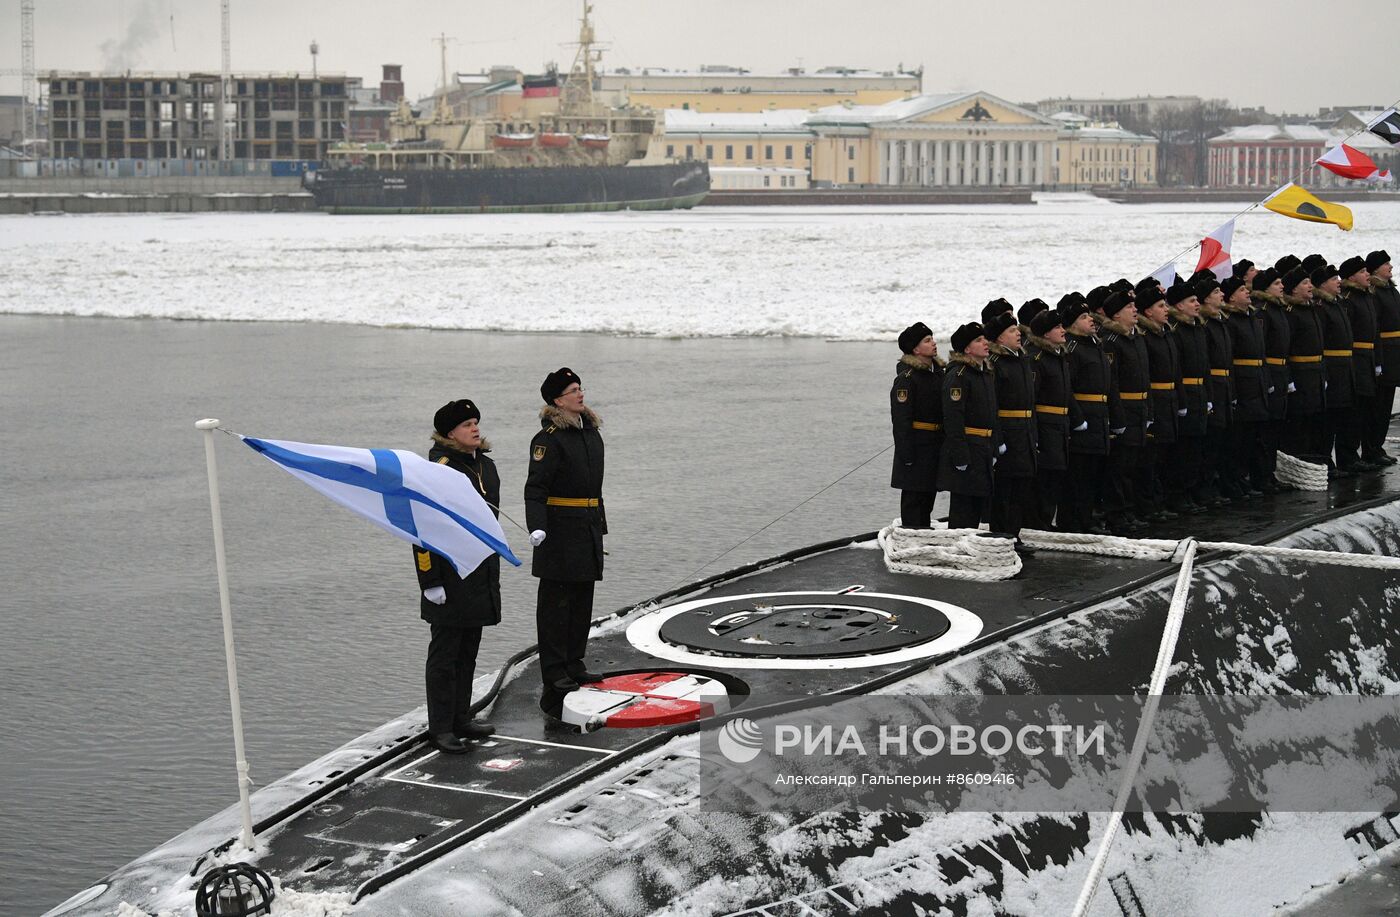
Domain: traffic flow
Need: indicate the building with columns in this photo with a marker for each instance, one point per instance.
(1266, 156)
(949, 140)
(958, 139)
(736, 89)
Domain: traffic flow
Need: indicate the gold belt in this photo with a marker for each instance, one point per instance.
(1336, 353)
(925, 425)
(1249, 362)
(1079, 397)
(1363, 345)
(1315, 358)
(1020, 414)
(977, 431)
(1390, 335)
(1276, 361)
(1219, 372)
(1193, 380)
(1163, 386)
(579, 502)
(1133, 396)
(1051, 409)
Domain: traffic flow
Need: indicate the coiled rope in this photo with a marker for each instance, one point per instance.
(971, 554)
(1302, 475)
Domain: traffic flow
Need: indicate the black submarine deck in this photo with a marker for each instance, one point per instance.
(409, 805)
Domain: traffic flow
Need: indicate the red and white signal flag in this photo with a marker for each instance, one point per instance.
(1215, 251)
(1349, 162)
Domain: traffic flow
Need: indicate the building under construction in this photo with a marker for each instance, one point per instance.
(177, 115)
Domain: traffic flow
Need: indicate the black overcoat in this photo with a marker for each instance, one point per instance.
(1056, 411)
(970, 428)
(1164, 370)
(1387, 299)
(1337, 348)
(1360, 304)
(1195, 369)
(1304, 356)
(1091, 379)
(1248, 370)
(916, 415)
(476, 600)
(1276, 347)
(564, 497)
(1015, 379)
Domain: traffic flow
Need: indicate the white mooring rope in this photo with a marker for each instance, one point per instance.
(1176, 613)
(968, 554)
(1302, 475)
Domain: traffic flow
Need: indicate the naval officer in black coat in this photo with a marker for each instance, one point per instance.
(916, 415)
(971, 430)
(458, 608)
(567, 520)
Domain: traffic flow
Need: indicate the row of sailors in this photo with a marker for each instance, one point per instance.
(1138, 403)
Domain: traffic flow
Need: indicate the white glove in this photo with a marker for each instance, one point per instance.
(437, 595)
(994, 461)
(960, 467)
(1271, 390)
(1292, 388)
(1117, 430)
(1083, 425)
(1210, 406)
(1001, 450)
(1149, 425)
(536, 537)
(1180, 412)
(1324, 385)
(1378, 370)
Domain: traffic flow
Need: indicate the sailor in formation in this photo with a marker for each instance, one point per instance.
(1136, 404)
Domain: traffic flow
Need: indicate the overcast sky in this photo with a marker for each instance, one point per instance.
(1286, 55)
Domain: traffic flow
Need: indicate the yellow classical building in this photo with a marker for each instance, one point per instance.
(952, 140)
(957, 139)
(1092, 154)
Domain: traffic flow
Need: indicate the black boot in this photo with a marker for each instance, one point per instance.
(447, 743)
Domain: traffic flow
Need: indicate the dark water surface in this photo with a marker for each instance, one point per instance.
(115, 723)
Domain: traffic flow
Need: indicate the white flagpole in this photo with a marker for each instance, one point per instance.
(209, 426)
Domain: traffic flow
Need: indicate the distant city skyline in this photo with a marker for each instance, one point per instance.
(1028, 51)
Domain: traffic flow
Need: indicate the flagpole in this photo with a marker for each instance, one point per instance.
(209, 425)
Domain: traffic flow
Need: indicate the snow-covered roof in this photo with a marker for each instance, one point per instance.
(1070, 117)
(782, 120)
(1104, 132)
(1265, 132)
(913, 107)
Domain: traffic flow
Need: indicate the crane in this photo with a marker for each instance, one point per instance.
(29, 129)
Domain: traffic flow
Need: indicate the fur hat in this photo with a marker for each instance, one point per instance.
(965, 335)
(1230, 285)
(1117, 302)
(1352, 265)
(910, 337)
(1030, 309)
(993, 328)
(555, 383)
(994, 308)
(1072, 310)
(1286, 264)
(453, 414)
(1149, 296)
(1265, 279)
(1242, 267)
(1313, 262)
(1179, 293)
(1376, 259)
(1044, 321)
(1069, 299)
(1295, 276)
(1096, 298)
(1321, 275)
(1204, 283)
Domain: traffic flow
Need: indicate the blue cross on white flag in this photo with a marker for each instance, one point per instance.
(422, 502)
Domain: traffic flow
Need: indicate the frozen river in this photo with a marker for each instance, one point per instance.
(835, 272)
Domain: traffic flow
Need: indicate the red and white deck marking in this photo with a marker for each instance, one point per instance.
(645, 699)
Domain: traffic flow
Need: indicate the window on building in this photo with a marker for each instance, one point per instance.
(670, 150)
(850, 152)
(851, 175)
(765, 181)
(729, 151)
(709, 151)
(689, 151)
(787, 152)
(807, 152)
(748, 151)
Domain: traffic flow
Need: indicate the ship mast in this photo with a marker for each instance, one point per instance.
(578, 88)
(444, 112)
